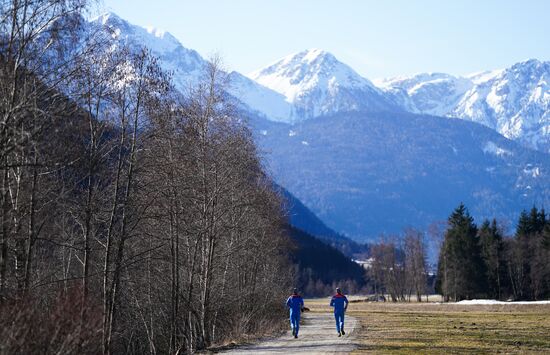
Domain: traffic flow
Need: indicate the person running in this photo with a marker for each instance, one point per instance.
(340, 304)
(295, 303)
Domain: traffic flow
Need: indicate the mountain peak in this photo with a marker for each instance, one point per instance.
(310, 72)
(313, 55)
(108, 18)
(298, 65)
(530, 61)
(159, 41)
(317, 83)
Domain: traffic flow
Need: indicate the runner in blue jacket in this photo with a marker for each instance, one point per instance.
(340, 304)
(295, 303)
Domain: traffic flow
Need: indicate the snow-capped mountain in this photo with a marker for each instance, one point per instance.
(514, 101)
(430, 93)
(187, 66)
(316, 84)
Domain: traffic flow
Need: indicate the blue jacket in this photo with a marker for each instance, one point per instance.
(339, 302)
(295, 303)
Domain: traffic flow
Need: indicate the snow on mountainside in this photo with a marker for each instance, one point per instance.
(431, 93)
(514, 101)
(266, 102)
(316, 83)
(187, 66)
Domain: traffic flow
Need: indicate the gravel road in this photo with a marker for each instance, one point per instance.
(317, 336)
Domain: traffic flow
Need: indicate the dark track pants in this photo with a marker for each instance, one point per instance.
(339, 317)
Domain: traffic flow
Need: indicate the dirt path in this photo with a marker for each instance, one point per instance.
(317, 336)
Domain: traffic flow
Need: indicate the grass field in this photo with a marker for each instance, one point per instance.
(431, 328)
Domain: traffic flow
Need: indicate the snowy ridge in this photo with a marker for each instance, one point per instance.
(307, 70)
(514, 101)
(432, 93)
(187, 66)
(316, 83)
(157, 40)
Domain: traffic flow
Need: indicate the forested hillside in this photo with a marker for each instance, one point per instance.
(301, 217)
(321, 268)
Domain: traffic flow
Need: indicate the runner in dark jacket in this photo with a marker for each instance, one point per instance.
(340, 304)
(295, 303)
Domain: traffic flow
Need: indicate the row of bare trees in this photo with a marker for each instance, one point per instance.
(398, 267)
(133, 218)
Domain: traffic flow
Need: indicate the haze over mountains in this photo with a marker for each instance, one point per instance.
(366, 157)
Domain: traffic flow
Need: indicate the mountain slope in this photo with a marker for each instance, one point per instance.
(316, 83)
(320, 267)
(366, 174)
(300, 217)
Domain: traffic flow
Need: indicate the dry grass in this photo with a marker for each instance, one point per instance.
(430, 328)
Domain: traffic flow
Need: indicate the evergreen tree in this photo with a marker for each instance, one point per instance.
(490, 240)
(462, 271)
(521, 254)
(524, 224)
(529, 259)
(542, 218)
(546, 236)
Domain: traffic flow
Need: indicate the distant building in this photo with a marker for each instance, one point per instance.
(365, 264)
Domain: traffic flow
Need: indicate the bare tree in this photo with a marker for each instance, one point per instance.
(415, 262)
(147, 210)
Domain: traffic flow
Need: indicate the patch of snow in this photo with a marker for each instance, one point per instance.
(532, 171)
(455, 151)
(259, 98)
(305, 143)
(263, 132)
(491, 302)
(291, 133)
(492, 148)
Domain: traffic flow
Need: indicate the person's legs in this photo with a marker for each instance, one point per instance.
(294, 323)
(337, 318)
(342, 323)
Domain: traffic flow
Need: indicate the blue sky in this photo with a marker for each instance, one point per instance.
(377, 38)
